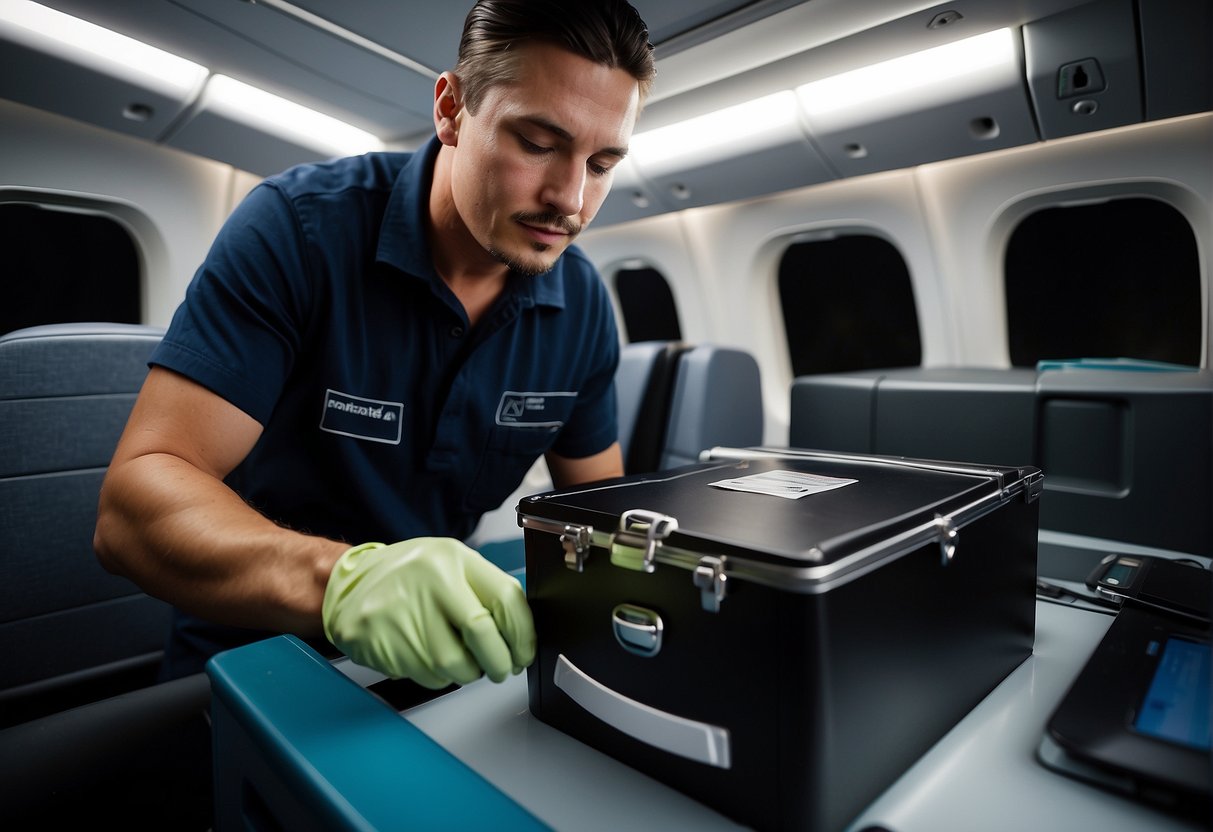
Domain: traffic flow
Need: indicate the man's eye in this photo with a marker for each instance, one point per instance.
(599, 170)
(531, 147)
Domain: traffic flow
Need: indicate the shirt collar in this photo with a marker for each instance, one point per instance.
(402, 240)
(546, 289)
(403, 243)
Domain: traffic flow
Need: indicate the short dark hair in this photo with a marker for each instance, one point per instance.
(608, 32)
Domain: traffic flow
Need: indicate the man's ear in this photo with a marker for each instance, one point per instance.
(448, 103)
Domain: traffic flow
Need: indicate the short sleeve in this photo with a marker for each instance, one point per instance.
(241, 324)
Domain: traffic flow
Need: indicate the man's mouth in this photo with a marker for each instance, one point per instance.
(547, 236)
(548, 229)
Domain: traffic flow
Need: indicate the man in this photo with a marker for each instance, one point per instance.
(377, 349)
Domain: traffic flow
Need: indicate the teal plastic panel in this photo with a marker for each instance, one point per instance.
(298, 745)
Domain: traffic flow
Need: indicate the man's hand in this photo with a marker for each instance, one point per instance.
(429, 609)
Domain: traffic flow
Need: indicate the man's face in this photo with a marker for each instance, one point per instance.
(535, 162)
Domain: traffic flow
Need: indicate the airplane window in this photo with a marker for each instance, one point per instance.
(848, 305)
(65, 266)
(649, 313)
(1118, 279)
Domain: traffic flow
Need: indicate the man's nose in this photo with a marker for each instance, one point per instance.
(564, 189)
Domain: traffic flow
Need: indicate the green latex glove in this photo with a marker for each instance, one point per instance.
(429, 609)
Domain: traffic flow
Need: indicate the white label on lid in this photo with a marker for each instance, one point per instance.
(791, 485)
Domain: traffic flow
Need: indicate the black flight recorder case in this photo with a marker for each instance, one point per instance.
(780, 660)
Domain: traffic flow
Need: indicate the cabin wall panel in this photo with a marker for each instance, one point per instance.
(240, 184)
(950, 220)
(735, 249)
(172, 203)
(659, 242)
(748, 240)
(973, 205)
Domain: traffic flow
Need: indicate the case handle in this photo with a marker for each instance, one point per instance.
(698, 741)
(638, 630)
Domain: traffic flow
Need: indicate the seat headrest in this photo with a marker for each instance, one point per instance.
(75, 359)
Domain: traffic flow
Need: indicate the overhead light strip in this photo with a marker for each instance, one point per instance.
(285, 118)
(81, 36)
(270, 113)
(728, 127)
(933, 68)
(886, 81)
(352, 38)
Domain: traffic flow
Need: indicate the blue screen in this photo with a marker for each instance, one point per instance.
(1176, 707)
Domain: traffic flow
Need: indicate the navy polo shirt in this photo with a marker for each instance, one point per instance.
(318, 312)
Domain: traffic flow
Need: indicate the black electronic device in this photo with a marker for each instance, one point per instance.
(1137, 718)
(1176, 586)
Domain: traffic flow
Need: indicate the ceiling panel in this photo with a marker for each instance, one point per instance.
(426, 32)
(268, 48)
(279, 51)
(429, 32)
(265, 48)
(668, 19)
(336, 56)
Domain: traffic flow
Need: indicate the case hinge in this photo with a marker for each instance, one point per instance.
(576, 543)
(710, 578)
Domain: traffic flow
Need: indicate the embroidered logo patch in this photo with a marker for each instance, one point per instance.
(533, 410)
(372, 419)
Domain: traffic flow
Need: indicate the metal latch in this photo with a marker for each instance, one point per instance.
(1036, 484)
(710, 578)
(640, 532)
(576, 543)
(949, 538)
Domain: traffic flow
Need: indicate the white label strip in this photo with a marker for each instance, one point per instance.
(791, 485)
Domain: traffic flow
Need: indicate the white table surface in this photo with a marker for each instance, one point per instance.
(983, 776)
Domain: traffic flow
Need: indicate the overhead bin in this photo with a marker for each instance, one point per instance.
(1087, 67)
(261, 133)
(750, 149)
(75, 68)
(953, 100)
(837, 107)
(1082, 68)
(121, 84)
(1117, 62)
(1177, 63)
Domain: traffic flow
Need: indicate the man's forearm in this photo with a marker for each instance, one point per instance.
(188, 539)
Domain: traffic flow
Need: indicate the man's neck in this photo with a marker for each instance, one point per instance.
(474, 276)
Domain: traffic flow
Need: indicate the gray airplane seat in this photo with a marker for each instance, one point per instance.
(716, 401)
(1126, 447)
(70, 632)
(1128, 456)
(644, 382)
(678, 399)
(949, 413)
(85, 726)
